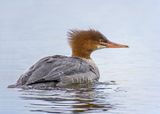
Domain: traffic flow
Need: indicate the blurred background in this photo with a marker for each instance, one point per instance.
(32, 29)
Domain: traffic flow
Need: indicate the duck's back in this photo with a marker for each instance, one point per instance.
(59, 71)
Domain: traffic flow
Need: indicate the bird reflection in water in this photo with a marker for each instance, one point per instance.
(69, 100)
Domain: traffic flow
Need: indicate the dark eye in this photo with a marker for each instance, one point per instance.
(100, 40)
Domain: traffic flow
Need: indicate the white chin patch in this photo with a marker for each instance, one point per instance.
(100, 46)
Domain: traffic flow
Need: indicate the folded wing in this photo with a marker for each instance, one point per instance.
(53, 69)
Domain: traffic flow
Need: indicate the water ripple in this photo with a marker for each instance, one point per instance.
(70, 100)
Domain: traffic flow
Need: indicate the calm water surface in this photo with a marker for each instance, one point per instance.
(130, 80)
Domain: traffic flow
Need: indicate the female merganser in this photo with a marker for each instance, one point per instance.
(61, 71)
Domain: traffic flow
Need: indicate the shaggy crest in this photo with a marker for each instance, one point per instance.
(75, 36)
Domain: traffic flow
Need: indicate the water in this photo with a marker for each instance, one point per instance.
(129, 82)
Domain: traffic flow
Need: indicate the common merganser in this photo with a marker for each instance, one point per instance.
(61, 70)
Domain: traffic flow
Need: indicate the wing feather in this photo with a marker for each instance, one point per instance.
(53, 68)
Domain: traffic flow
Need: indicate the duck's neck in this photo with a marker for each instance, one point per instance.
(81, 53)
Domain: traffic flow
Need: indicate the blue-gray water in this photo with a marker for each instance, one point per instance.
(32, 29)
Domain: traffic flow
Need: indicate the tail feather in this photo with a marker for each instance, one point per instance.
(12, 86)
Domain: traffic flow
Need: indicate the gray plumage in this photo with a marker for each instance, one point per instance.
(59, 71)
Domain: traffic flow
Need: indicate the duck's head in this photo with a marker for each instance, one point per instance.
(84, 42)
